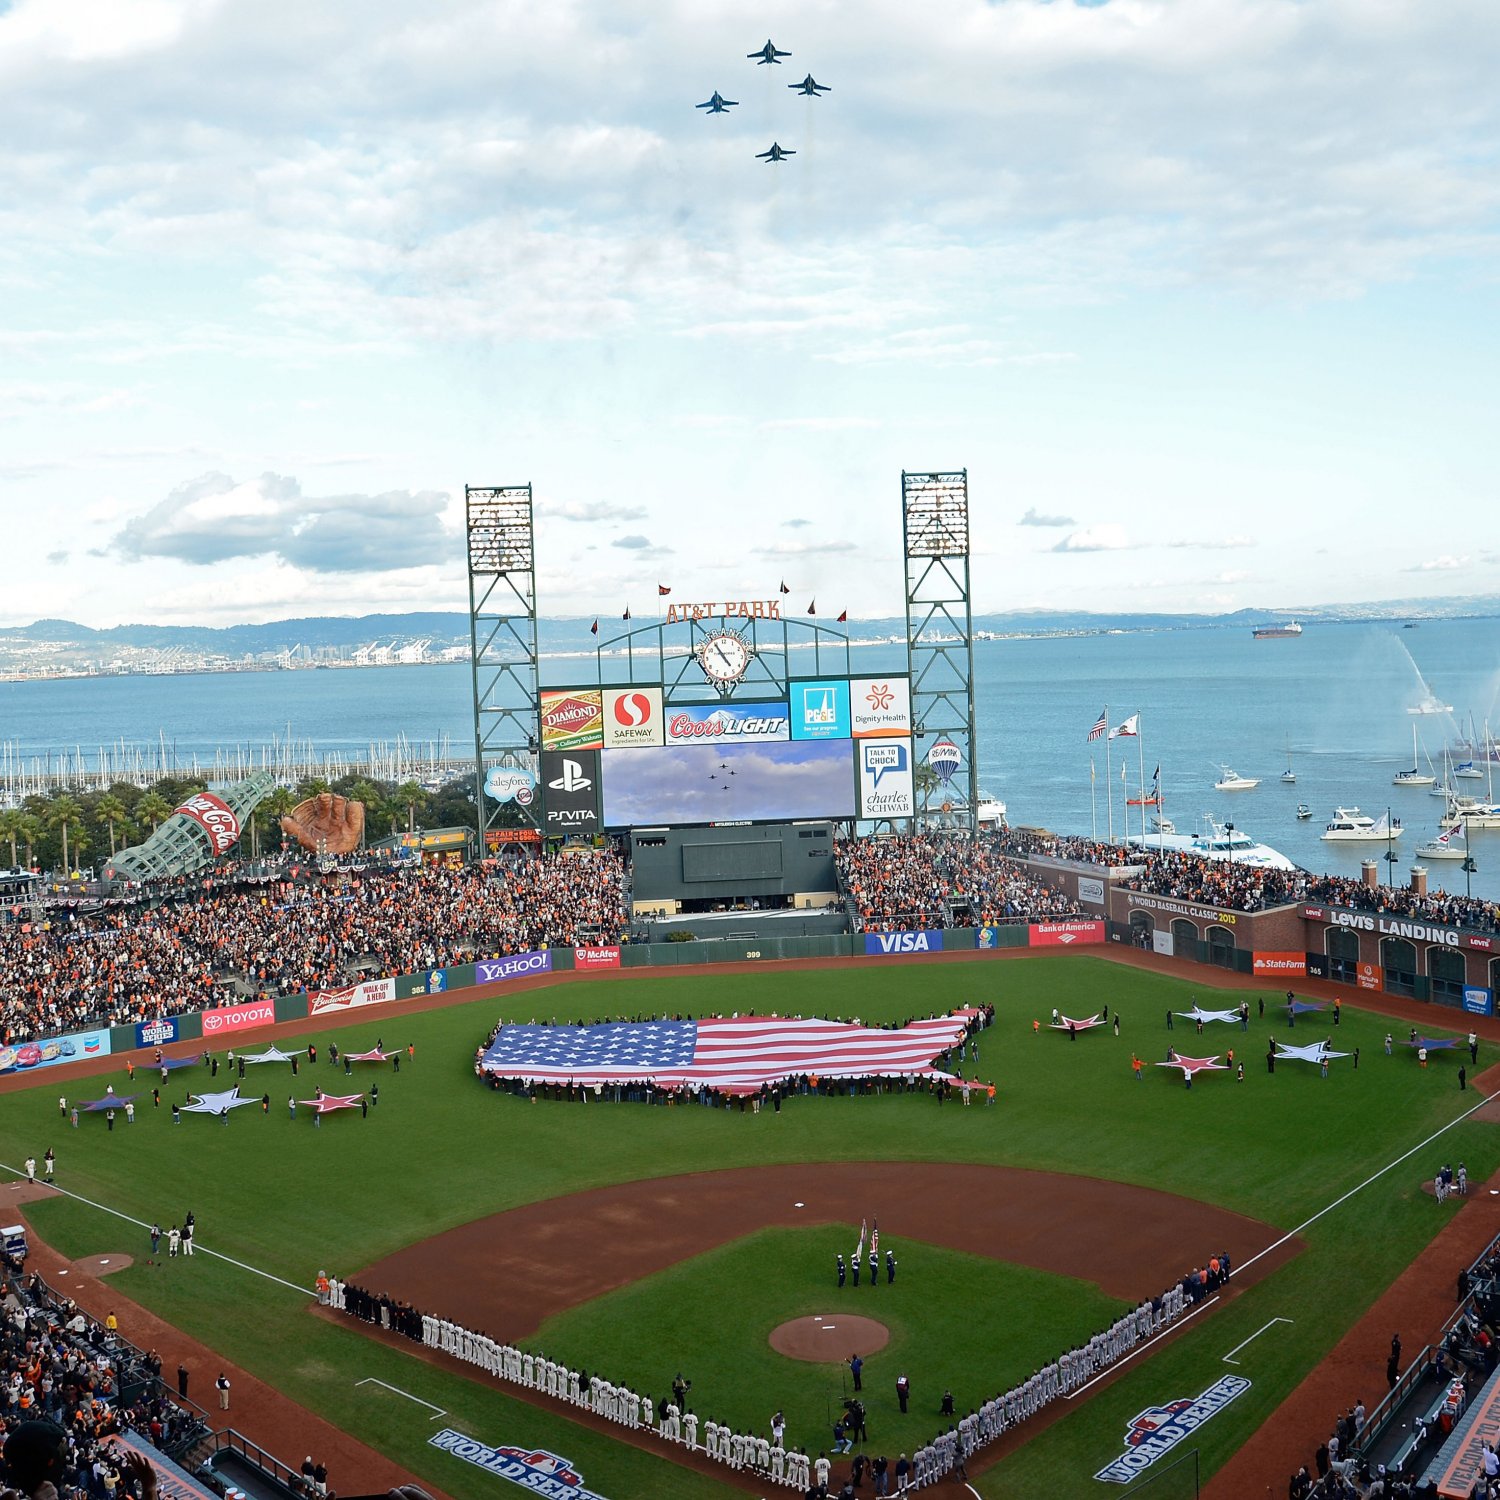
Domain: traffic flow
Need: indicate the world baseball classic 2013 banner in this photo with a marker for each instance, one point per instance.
(351, 996)
(534, 1469)
(1159, 1429)
(512, 966)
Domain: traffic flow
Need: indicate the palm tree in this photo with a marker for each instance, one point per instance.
(64, 813)
(374, 802)
(411, 796)
(13, 829)
(153, 808)
(31, 830)
(277, 804)
(110, 810)
(313, 786)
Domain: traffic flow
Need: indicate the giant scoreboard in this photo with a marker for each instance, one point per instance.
(622, 757)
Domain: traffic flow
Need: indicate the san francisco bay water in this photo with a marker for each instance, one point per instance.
(1334, 701)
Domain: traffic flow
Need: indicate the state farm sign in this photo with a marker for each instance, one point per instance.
(238, 1018)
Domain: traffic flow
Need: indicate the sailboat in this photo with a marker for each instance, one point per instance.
(1416, 776)
(1449, 844)
(1289, 776)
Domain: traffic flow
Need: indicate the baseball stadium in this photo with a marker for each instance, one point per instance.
(739, 1106)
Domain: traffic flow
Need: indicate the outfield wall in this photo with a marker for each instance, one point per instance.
(1353, 949)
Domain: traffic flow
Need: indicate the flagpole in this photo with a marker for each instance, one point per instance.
(1094, 798)
(1124, 806)
(1140, 745)
(1109, 796)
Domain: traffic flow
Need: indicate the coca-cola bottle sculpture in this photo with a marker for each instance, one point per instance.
(205, 826)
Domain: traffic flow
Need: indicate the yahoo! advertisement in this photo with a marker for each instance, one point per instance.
(512, 966)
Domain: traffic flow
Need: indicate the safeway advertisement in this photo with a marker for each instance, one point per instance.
(1065, 934)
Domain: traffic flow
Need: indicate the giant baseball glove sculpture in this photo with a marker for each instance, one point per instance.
(326, 824)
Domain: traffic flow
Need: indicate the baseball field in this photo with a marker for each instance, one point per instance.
(639, 1242)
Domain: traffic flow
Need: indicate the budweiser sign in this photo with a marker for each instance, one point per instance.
(215, 817)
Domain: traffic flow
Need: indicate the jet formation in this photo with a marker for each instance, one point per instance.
(717, 104)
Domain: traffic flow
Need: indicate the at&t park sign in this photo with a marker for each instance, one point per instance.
(733, 609)
(1368, 921)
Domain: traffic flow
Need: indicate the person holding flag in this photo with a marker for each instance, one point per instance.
(859, 1252)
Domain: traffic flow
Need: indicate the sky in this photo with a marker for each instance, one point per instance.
(1201, 293)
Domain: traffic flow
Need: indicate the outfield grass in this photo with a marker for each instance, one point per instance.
(441, 1150)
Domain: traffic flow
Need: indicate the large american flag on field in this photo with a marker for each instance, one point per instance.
(734, 1053)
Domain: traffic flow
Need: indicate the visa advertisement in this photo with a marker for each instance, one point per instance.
(930, 941)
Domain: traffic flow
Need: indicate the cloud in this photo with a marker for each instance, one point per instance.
(637, 543)
(817, 424)
(1107, 537)
(1445, 564)
(1034, 518)
(214, 519)
(589, 511)
(804, 549)
(1219, 544)
(797, 521)
(57, 558)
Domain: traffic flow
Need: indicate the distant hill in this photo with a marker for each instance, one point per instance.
(572, 633)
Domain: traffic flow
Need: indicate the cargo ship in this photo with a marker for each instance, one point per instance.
(1277, 632)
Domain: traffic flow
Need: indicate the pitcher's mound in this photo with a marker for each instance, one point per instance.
(830, 1338)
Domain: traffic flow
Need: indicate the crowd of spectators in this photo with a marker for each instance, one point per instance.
(1235, 886)
(61, 1365)
(941, 880)
(186, 945)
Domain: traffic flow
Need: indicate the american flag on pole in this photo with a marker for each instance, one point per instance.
(735, 1054)
(875, 1238)
(1100, 725)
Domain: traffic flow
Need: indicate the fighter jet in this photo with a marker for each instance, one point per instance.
(811, 87)
(774, 154)
(768, 54)
(716, 104)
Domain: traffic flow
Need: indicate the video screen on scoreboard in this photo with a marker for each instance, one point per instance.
(722, 783)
